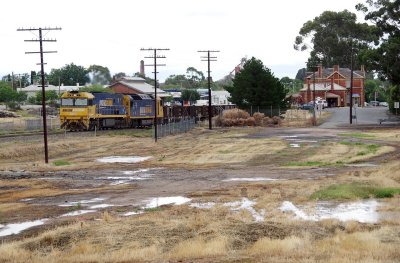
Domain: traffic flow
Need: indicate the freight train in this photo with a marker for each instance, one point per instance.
(99, 110)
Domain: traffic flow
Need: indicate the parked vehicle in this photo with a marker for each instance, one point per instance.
(324, 103)
(384, 104)
(307, 106)
(374, 103)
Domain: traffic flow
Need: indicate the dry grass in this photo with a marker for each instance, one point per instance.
(182, 233)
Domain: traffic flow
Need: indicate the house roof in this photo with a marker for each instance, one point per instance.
(323, 87)
(138, 84)
(34, 88)
(344, 72)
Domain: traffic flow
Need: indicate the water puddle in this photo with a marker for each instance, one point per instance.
(294, 145)
(362, 211)
(83, 202)
(244, 204)
(172, 200)
(77, 213)
(100, 206)
(253, 179)
(362, 165)
(133, 213)
(13, 229)
(123, 159)
(289, 136)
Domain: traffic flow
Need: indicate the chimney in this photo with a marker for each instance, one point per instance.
(142, 68)
(336, 68)
(319, 70)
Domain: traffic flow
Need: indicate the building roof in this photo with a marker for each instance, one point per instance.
(323, 87)
(138, 84)
(35, 88)
(345, 72)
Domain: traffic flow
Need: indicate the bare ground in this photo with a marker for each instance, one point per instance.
(197, 165)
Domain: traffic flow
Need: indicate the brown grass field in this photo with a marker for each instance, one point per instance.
(187, 234)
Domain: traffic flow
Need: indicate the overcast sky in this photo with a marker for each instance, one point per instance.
(110, 33)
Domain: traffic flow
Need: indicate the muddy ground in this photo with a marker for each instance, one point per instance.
(31, 190)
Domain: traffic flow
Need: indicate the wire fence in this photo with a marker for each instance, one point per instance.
(270, 111)
(19, 125)
(184, 125)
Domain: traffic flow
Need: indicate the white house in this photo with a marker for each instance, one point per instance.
(32, 89)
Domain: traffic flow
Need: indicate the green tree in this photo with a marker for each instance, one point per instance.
(333, 35)
(372, 86)
(69, 75)
(190, 95)
(255, 85)
(9, 96)
(384, 59)
(178, 81)
(95, 88)
(99, 75)
(50, 96)
(195, 77)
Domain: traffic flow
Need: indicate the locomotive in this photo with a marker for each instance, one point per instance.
(100, 110)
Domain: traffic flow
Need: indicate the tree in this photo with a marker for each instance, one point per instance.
(95, 88)
(255, 85)
(190, 95)
(50, 96)
(333, 35)
(10, 96)
(178, 80)
(301, 74)
(69, 75)
(195, 77)
(384, 59)
(99, 75)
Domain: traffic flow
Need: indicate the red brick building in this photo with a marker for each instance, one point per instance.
(135, 85)
(333, 85)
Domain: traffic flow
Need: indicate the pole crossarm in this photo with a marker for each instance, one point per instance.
(209, 59)
(41, 52)
(155, 65)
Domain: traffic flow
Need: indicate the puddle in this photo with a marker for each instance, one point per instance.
(289, 136)
(135, 172)
(77, 213)
(100, 206)
(123, 159)
(244, 204)
(253, 179)
(207, 205)
(362, 211)
(12, 229)
(362, 165)
(294, 145)
(133, 213)
(83, 202)
(172, 200)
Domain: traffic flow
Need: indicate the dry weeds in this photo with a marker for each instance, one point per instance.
(186, 234)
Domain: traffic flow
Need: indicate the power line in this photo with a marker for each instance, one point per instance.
(41, 52)
(209, 59)
(155, 57)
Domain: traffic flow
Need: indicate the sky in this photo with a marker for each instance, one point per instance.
(111, 33)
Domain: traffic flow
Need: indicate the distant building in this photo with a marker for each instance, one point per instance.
(135, 85)
(333, 85)
(32, 89)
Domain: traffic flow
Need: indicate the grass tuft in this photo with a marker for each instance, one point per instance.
(61, 163)
(353, 191)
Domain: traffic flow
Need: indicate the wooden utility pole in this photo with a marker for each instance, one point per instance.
(155, 56)
(41, 52)
(209, 59)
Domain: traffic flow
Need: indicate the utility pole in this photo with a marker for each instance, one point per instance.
(351, 84)
(209, 59)
(155, 56)
(41, 52)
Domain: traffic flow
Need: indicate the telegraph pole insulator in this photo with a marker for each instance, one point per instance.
(41, 52)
